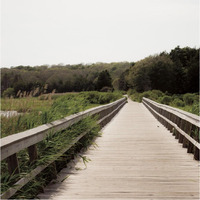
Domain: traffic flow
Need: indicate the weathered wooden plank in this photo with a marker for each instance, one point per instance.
(132, 161)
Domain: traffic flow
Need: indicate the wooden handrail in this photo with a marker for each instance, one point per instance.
(11, 145)
(192, 118)
(181, 123)
(19, 141)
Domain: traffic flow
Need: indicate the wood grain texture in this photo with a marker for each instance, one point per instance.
(136, 158)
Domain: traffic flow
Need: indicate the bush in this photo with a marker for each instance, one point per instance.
(9, 92)
(157, 93)
(195, 109)
(165, 100)
(189, 98)
(131, 91)
(106, 89)
(135, 97)
(91, 97)
(109, 97)
(100, 97)
(178, 103)
(153, 95)
(144, 94)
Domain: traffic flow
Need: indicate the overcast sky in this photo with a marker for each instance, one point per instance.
(36, 32)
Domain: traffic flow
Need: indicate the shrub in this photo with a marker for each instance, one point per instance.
(195, 109)
(131, 91)
(153, 95)
(91, 97)
(106, 89)
(9, 92)
(165, 100)
(135, 97)
(108, 97)
(178, 102)
(189, 98)
(144, 94)
(157, 93)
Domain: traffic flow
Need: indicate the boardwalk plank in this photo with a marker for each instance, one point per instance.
(136, 158)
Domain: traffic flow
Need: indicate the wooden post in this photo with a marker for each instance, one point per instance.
(32, 151)
(178, 121)
(176, 134)
(13, 165)
(172, 119)
(190, 145)
(53, 170)
(187, 130)
(196, 153)
(170, 126)
(182, 126)
(173, 131)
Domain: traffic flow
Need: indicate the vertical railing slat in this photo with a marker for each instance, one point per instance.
(13, 164)
(32, 151)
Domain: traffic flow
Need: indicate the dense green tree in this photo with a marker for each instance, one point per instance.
(104, 80)
(122, 82)
(9, 92)
(4, 81)
(176, 72)
(186, 69)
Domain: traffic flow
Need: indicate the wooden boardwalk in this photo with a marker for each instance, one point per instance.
(136, 158)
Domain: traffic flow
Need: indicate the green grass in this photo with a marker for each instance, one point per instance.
(37, 112)
(48, 150)
(24, 105)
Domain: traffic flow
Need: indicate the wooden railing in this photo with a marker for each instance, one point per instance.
(183, 125)
(29, 139)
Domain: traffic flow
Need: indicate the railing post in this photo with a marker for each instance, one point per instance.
(32, 151)
(173, 120)
(196, 153)
(13, 165)
(187, 130)
(190, 145)
(182, 126)
(178, 121)
(52, 168)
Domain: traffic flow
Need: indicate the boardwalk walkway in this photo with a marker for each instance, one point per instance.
(136, 158)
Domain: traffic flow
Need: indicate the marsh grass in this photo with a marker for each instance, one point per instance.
(38, 112)
(24, 105)
(48, 150)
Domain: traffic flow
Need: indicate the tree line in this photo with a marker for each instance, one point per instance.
(176, 72)
(62, 78)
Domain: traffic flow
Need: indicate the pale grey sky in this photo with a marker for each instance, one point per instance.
(36, 32)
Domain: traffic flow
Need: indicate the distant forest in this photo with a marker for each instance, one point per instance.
(176, 72)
